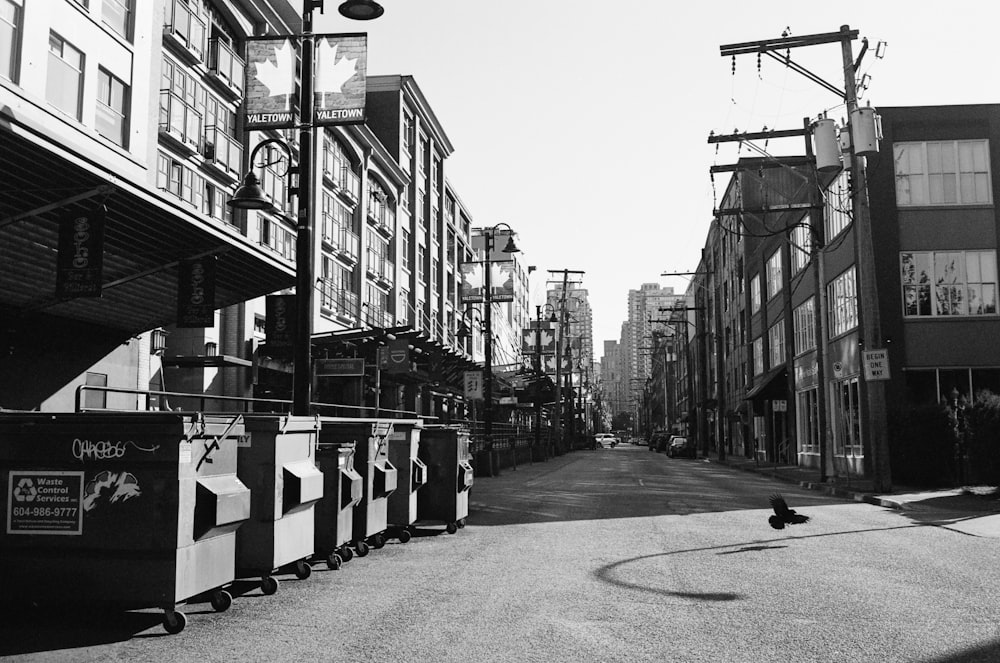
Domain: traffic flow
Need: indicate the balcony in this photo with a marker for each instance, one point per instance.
(380, 268)
(223, 152)
(382, 218)
(376, 316)
(348, 185)
(185, 29)
(334, 300)
(179, 121)
(345, 243)
(226, 66)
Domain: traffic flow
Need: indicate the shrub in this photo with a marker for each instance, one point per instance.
(982, 420)
(923, 447)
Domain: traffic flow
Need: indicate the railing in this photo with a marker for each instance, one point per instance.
(223, 150)
(349, 183)
(377, 317)
(228, 66)
(176, 401)
(337, 299)
(185, 26)
(380, 267)
(179, 119)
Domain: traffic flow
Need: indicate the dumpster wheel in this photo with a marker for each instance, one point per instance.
(404, 535)
(174, 621)
(461, 523)
(362, 548)
(378, 541)
(221, 600)
(334, 562)
(269, 585)
(346, 554)
(451, 528)
(302, 569)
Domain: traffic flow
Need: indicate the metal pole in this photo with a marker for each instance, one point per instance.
(488, 347)
(304, 268)
(538, 372)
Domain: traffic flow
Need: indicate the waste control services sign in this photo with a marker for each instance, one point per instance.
(44, 502)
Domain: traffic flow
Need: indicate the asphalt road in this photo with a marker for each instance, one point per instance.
(608, 555)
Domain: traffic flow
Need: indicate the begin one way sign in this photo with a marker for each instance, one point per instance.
(876, 364)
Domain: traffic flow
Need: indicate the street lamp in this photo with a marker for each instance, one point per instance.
(250, 196)
(510, 247)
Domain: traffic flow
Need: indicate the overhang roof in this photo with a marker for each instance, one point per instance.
(770, 385)
(146, 235)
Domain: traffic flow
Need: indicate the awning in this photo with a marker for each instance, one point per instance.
(146, 234)
(770, 385)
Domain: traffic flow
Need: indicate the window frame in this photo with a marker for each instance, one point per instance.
(122, 113)
(928, 183)
(924, 286)
(128, 13)
(80, 71)
(773, 272)
(842, 303)
(804, 326)
(17, 33)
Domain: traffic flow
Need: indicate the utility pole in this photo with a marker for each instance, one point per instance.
(560, 339)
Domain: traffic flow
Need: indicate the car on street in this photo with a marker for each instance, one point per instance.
(658, 441)
(682, 446)
(606, 440)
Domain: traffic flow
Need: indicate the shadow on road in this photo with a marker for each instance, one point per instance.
(988, 652)
(35, 630)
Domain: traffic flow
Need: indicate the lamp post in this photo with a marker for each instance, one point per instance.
(489, 240)
(248, 198)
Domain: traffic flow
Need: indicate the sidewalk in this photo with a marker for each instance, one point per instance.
(860, 489)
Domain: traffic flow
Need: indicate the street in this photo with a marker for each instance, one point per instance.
(607, 555)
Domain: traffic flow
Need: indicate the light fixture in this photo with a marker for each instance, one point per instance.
(511, 246)
(250, 195)
(360, 10)
(157, 341)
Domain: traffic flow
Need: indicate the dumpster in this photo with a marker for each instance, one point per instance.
(342, 488)
(378, 475)
(122, 510)
(445, 496)
(277, 461)
(401, 511)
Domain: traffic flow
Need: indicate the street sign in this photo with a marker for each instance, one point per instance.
(876, 364)
(340, 367)
(473, 383)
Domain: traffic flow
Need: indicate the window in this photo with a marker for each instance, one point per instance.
(64, 82)
(10, 39)
(776, 344)
(804, 325)
(950, 172)
(807, 411)
(758, 355)
(174, 177)
(842, 301)
(801, 245)
(117, 15)
(214, 204)
(405, 248)
(773, 271)
(95, 398)
(937, 283)
(112, 108)
(837, 212)
(755, 293)
(847, 418)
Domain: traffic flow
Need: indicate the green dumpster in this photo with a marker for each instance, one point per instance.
(127, 510)
(277, 461)
(342, 489)
(445, 497)
(401, 509)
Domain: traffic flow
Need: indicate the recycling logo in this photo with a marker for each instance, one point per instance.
(25, 490)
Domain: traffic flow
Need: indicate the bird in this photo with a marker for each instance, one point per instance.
(783, 515)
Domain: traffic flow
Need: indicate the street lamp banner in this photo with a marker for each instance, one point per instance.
(341, 79)
(502, 281)
(279, 322)
(549, 365)
(269, 101)
(80, 255)
(196, 292)
(471, 291)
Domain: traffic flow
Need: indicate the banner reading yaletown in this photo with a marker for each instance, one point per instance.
(270, 83)
(341, 79)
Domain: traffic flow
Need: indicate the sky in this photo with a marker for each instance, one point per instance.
(584, 124)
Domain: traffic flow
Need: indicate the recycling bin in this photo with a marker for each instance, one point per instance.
(401, 512)
(277, 460)
(124, 510)
(342, 487)
(445, 496)
(378, 475)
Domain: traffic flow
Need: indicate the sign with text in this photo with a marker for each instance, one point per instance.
(876, 364)
(473, 384)
(279, 322)
(45, 502)
(80, 257)
(341, 367)
(395, 357)
(196, 292)
(341, 79)
(270, 87)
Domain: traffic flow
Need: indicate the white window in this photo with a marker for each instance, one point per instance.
(112, 108)
(758, 355)
(837, 211)
(117, 15)
(807, 416)
(801, 245)
(950, 172)
(776, 344)
(755, 293)
(10, 38)
(842, 300)
(773, 271)
(804, 324)
(64, 81)
(938, 283)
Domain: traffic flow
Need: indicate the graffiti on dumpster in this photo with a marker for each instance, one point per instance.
(109, 488)
(45, 502)
(105, 449)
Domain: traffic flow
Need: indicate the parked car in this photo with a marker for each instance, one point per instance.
(682, 446)
(658, 441)
(606, 440)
